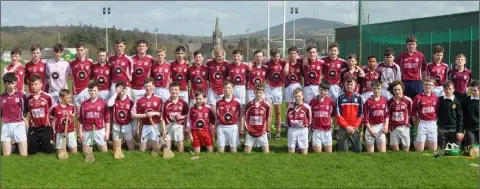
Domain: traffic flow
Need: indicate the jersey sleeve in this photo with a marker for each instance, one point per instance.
(211, 116)
(80, 115)
(134, 109)
(341, 121)
(189, 125)
(366, 120)
(424, 63)
(106, 114)
(360, 112)
(185, 108)
(414, 109)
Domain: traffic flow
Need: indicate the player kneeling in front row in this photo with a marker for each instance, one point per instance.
(257, 113)
(349, 115)
(200, 123)
(400, 109)
(175, 112)
(322, 110)
(298, 119)
(450, 117)
(62, 114)
(229, 114)
(94, 121)
(13, 109)
(425, 108)
(122, 120)
(376, 119)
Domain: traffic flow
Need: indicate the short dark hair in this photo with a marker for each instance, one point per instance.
(438, 49)
(174, 84)
(411, 38)
(34, 78)
(376, 83)
(64, 93)
(228, 82)
(448, 84)
(474, 83)
(58, 48)
(258, 51)
(197, 52)
(80, 44)
(35, 47)
(371, 56)
(311, 47)
(148, 80)
(350, 79)
(389, 52)
(180, 48)
(101, 50)
(16, 50)
(259, 87)
(352, 56)
(199, 92)
(324, 85)
(237, 51)
(9, 78)
(274, 52)
(333, 45)
(292, 48)
(92, 85)
(119, 41)
(121, 83)
(395, 83)
(141, 41)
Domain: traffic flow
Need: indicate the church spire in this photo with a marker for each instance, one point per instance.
(217, 26)
(217, 33)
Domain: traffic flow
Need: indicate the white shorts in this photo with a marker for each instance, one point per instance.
(174, 132)
(55, 96)
(80, 97)
(98, 136)
(260, 141)
(309, 93)
(227, 135)
(366, 95)
(401, 134)
(321, 138)
(212, 97)
(439, 91)
(250, 95)
(136, 94)
(297, 136)
(289, 91)
(184, 96)
(14, 131)
(113, 86)
(386, 94)
(104, 95)
(274, 95)
(126, 132)
(163, 93)
(379, 139)
(427, 130)
(335, 91)
(71, 140)
(239, 92)
(149, 132)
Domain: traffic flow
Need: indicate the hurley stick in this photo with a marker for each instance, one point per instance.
(63, 154)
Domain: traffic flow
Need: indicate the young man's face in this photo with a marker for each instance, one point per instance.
(352, 62)
(259, 59)
(199, 100)
(180, 55)
(474, 91)
(15, 57)
(102, 56)
(148, 87)
(298, 97)
(228, 90)
(437, 57)
(174, 91)
(122, 92)
(161, 56)
(349, 86)
(259, 94)
(448, 90)
(372, 62)
(411, 46)
(219, 56)
(36, 86)
(120, 48)
(460, 61)
(66, 99)
(142, 48)
(333, 52)
(389, 58)
(58, 55)
(11, 86)
(36, 54)
(292, 55)
(237, 58)
(377, 90)
(398, 90)
(275, 58)
(93, 92)
(312, 54)
(81, 52)
(198, 59)
(323, 92)
(427, 86)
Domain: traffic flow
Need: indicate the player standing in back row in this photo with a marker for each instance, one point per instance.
(197, 74)
(332, 68)
(257, 74)
(179, 69)
(217, 73)
(122, 67)
(81, 71)
(438, 71)
(142, 64)
(16, 68)
(312, 73)
(390, 72)
(161, 73)
(293, 74)
(461, 77)
(101, 72)
(57, 72)
(36, 66)
(412, 63)
(273, 90)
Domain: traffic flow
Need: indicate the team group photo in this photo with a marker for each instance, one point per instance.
(140, 107)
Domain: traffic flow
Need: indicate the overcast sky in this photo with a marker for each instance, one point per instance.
(198, 18)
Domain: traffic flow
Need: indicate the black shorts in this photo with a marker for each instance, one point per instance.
(40, 139)
(447, 136)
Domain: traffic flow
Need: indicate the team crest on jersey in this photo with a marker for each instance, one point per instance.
(454, 106)
(276, 76)
(198, 80)
(159, 77)
(203, 73)
(88, 67)
(179, 77)
(292, 77)
(154, 103)
(243, 70)
(465, 77)
(438, 78)
(332, 73)
(218, 75)
(257, 80)
(145, 63)
(405, 59)
(43, 103)
(101, 80)
(328, 107)
(262, 111)
(355, 100)
(344, 100)
(122, 114)
(99, 108)
(21, 73)
(417, 59)
(238, 79)
(118, 70)
(41, 69)
(312, 74)
(185, 70)
(139, 71)
(200, 124)
(16, 100)
(123, 63)
(228, 116)
(82, 75)
(106, 72)
(5, 101)
(402, 107)
(434, 103)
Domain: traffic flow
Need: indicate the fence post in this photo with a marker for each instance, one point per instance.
(401, 44)
(378, 47)
(471, 49)
(449, 47)
(431, 46)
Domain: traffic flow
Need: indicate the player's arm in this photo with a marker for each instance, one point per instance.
(366, 119)
(216, 115)
(414, 114)
(130, 68)
(241, 116)
(134, 113)
(185, 112)
(359, 119)
(80, 123)
(269, 116)
(15, 67)
(386, 122)
(69, 72)
(341, 121)
(361, 73)
(459, 112)
(423, 66)
(106, 116)
(53, 118)
(286, 68)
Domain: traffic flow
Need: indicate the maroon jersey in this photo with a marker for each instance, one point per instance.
(346, 73)
(425, 107)
(81, 71)
(201, 118)
(460, 79)
(228, 113)
(94, 114)
(322, 111)
(312, 72)
(295, 73)
(179, 74)
(375, 111)
(39, 109)
(237, 73)
(13, 107)
(39, 68)
(198, 76)
(217, 72)
(370, 77)
(332, 69)
(61, 114)
(298, 116)
(411, 65)
(400, 112)
(101, 74)
(256, 117)
(122, 111)
(20, 74)
(256, 76)
(275, 74)
(144, 105)
(438, 72)
(161, 74)
(172, 109)
(121, 66)
(141, 70)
